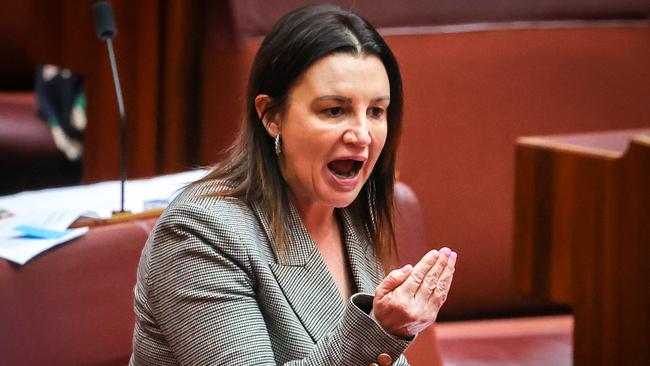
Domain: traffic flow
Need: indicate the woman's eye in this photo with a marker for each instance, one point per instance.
(376, 112)
(334, 112)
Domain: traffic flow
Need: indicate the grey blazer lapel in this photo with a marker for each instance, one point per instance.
(304, 278)
(366, 269)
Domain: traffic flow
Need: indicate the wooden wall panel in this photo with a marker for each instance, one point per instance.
(180, 103)
(156, 50)
(15, 32)
(226, 61)
(136, 48)
(468, 96)
(589, 204)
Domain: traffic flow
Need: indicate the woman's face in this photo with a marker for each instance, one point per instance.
(334, 128)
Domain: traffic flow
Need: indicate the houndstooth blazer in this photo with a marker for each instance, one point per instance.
(211, 290)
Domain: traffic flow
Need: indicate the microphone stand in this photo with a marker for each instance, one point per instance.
(106, 30)
(120, 106)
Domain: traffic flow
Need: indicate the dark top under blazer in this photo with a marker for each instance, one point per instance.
(212, 290)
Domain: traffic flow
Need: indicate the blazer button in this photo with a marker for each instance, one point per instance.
(384, 359)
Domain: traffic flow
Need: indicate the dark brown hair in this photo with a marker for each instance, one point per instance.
(296, 41)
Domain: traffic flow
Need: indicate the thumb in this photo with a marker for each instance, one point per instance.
(394, 279)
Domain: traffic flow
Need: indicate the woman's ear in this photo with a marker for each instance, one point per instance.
(262, 103)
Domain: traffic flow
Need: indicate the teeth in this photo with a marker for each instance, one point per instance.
(351, 174)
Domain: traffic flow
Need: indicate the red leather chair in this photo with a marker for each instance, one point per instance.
(73, 305)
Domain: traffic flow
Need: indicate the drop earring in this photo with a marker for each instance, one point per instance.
(278, 145)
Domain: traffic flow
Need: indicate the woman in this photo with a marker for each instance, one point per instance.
(273, 258)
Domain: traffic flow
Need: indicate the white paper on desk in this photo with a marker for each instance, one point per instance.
(51, 220)
(100, 199)
(21, 249)
(59, 207)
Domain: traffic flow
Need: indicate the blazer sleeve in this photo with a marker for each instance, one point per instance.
(202, 295)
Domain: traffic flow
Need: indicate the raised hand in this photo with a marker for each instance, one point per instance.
(409, 299)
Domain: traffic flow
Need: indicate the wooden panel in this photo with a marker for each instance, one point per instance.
(582, 236)
(468, 96)
(16, 32)
(226, 62)
(156, 49)
(180, 85)
(256, 17)
(136, 49)
(627, 321)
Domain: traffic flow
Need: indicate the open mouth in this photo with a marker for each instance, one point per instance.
(345, 168)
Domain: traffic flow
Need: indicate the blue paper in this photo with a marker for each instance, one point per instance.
(39, 233)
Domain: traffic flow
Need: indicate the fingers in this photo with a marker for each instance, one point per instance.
(439, 296)
(409, 298)
(431, 279)
(394, 279)
(419, 272)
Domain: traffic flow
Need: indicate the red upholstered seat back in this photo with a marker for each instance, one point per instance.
(412, 244)
(73, 305)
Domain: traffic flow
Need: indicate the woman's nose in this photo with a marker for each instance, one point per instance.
(358, 134)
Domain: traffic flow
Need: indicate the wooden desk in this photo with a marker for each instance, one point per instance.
(582, 237)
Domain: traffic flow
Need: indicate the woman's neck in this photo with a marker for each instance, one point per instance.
(318, 219)
(323, 227)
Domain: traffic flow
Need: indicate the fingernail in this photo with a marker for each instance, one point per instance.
(454, 255)
(407, 268)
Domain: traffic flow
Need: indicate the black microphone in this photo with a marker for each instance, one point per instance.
(104, 22)
(106, 30)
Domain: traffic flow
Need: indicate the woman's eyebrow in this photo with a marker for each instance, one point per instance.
(381, 99)
(336, 98)
(346, 100)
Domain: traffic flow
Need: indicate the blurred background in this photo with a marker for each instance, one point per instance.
(477, 75)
